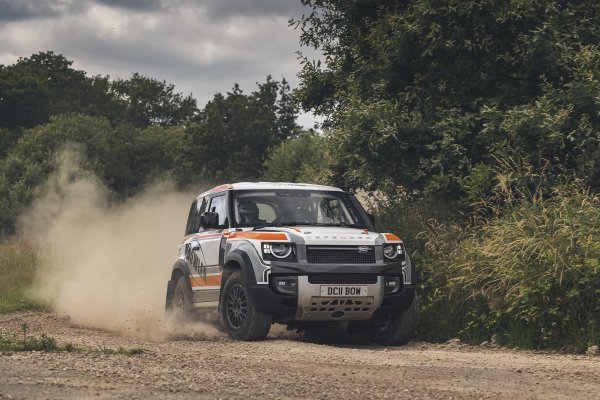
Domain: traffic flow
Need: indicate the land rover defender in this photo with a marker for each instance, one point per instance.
(296, 254)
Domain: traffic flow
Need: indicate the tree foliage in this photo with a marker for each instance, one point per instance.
(531, 274)
(152, 102)
(30, 161)
(300, 159)
(236, 130)
(130, 131)
(422, 93)
(476, 125)
(45, 84)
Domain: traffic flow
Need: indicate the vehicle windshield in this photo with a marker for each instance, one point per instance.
(288, 207)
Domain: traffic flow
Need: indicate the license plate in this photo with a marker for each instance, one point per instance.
(343, 291)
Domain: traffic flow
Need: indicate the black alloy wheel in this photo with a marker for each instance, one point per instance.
(237, 307)
(239, 314)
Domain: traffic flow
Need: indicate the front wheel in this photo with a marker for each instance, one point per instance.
(396, 329)
(239, 315)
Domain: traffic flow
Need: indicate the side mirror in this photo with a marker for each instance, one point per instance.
(371, 218)
(209, 220)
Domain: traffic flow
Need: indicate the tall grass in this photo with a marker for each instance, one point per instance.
(524, 266)
(530, 274)
(17, 268)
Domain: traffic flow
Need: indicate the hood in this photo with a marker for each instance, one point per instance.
(331, 235)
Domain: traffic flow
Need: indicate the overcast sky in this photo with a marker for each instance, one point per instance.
(200, 46)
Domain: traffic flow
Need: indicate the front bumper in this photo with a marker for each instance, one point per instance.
(309, 305)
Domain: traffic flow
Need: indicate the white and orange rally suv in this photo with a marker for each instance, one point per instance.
(297, 254)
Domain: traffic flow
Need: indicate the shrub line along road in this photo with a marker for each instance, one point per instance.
(209, 365)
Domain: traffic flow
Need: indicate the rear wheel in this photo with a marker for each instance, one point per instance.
(181, 303)
(396, 329)
(239, 315)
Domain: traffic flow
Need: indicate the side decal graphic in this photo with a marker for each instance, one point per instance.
(194, 261)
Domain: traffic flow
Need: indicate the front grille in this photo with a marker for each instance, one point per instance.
(342, 279)
(340, 255)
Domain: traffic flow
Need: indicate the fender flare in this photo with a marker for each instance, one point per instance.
(180, 268)
(243, 260)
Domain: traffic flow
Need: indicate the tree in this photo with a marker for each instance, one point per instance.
(421, 93)
(124, 158)
(152, 102)
(235, 132)
(129, 131)
(139, 155)
(298, 159)
(287, 112)
(31, 160)
(45, 84)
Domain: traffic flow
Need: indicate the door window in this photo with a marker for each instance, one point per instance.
(218, 204)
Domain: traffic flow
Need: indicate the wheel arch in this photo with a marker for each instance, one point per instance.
(237, 261)
(180, 268)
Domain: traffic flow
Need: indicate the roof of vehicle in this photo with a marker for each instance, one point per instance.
(269, 186)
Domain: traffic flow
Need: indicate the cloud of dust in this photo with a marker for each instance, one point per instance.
(106, 265)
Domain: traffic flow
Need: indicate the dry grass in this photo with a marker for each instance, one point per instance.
(18, 262)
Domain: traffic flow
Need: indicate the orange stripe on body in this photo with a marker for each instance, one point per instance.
(209, 280)
(391, 237)
(221, 187)
(258, 235)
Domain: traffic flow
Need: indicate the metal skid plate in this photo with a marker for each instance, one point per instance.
(312, 306)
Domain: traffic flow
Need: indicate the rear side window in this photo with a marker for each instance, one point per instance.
(189, 228)
(196, 210)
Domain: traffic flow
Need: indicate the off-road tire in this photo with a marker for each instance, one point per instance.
(239, 315)
(181, 304)
(397, 329)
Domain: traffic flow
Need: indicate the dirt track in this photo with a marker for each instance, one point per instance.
(281, 367)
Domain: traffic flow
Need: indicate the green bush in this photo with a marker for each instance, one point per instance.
(530, 274)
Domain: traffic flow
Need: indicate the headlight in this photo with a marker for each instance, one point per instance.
(277, 250)
(394, 252)
(391, 251)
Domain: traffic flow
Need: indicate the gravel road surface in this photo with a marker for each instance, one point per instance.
(201, 365)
